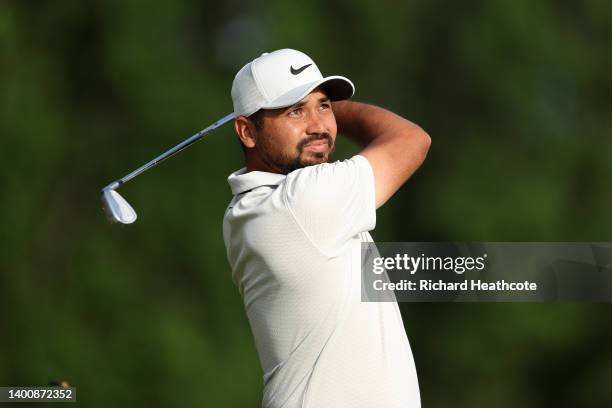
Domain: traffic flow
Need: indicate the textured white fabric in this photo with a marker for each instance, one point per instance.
(293, 243)
(280, 79)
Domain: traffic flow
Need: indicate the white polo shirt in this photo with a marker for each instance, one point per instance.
(293, 243)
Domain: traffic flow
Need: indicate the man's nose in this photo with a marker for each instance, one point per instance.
(316, 124)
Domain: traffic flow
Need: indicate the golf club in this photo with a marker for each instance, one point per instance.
(117, 209)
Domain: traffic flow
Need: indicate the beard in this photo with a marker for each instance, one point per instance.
(285, 164)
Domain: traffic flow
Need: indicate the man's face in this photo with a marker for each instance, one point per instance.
(298, 136)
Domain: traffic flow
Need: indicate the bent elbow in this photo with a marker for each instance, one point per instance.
(424, 143)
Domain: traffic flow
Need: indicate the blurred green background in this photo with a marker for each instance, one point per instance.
(516, 94)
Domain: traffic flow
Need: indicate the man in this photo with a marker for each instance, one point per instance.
(293, 232)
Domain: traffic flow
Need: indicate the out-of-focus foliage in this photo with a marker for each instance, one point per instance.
(517, 96)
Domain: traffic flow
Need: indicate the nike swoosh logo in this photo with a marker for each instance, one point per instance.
(295, 71)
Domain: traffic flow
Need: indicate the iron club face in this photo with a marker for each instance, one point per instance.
(116, 208)
(120, 211)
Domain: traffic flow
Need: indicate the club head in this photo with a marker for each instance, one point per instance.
(116, 208)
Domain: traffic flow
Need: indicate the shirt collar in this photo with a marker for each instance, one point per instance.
(241, 180)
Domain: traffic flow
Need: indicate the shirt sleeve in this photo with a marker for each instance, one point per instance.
(333, 202)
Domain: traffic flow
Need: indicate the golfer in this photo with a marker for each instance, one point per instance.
(293, 231)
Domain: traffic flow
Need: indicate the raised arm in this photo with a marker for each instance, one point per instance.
(394, 146)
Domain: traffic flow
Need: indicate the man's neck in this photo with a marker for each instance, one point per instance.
(257, 164)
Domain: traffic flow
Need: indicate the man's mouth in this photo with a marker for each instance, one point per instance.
(320, 145)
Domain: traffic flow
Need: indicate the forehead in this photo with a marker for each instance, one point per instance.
(317, 95)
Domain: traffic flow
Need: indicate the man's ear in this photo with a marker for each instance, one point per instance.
(246, 131)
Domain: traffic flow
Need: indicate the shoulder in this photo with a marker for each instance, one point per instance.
(329, 179)
(332, 201)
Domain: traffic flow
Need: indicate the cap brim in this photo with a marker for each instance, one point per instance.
(337, 88)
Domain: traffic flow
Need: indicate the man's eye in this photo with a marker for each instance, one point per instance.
(325, 106)
(295, 112)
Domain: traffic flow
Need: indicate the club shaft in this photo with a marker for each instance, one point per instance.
(184, 144)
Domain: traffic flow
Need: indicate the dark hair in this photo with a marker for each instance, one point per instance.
(257, 118)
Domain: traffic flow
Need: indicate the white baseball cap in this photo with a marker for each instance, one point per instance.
(280, 79)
